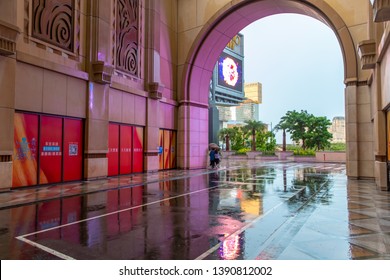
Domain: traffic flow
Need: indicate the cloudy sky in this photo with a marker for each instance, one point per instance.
(299, 63)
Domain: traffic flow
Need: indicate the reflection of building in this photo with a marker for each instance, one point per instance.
(338, 130)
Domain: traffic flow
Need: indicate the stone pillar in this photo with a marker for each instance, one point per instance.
(8, 37)
(351, 128)
(193, 135)
(152, 84)
(99, 57)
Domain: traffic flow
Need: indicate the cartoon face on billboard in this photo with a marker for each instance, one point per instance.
(230, 72)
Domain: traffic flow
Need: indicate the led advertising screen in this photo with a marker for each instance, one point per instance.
(230, 72)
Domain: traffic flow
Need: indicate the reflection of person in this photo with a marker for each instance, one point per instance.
(212, 158)
(217, 157)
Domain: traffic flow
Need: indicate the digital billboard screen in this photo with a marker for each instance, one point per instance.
(230, 72)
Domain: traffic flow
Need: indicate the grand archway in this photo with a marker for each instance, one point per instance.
(226, 22)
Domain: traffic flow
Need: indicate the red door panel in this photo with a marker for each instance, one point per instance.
(50, 149)
(125, 149)
(73, 149)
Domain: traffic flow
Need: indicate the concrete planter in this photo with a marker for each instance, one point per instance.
(253, 155)
(302, 158)
(283, 155)
(331, 156)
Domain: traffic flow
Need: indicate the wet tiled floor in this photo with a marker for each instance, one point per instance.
(244, 210)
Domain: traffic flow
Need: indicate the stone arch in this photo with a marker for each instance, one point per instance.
(210, 42)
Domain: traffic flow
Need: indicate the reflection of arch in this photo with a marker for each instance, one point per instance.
(223, 26)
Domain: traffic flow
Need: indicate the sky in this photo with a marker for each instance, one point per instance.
(298, 61)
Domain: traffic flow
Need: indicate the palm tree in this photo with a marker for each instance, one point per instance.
(283, 125)
(253, 126)
(225, 134)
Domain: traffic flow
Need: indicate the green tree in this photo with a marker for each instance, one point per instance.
(318, 134)
(251, 127)
(297, 124)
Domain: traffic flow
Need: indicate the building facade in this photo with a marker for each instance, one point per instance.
(338, 130)
(247, 110)
(89, 88)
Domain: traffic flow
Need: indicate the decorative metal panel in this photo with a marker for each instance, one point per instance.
(53, 22)
(127, 36)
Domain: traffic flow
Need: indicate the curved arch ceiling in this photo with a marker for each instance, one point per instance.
(234, 17)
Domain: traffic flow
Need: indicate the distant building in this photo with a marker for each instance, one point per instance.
(248, 110)
(254, 91)
(338, 130)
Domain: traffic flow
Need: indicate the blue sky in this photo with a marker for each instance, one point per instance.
(298, 60)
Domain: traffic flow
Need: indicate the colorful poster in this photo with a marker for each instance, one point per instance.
(125, 155)
(161, 149)
(50, 149)
(167, 152)
(138, 150)
(73, 149)
(173, 149)
(113, 149)
(25, 155)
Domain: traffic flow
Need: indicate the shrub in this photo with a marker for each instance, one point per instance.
(242, 151)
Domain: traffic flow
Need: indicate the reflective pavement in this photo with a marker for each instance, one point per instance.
(244, 210)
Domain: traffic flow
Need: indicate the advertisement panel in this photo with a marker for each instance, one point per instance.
(161, 149)
(73, 149)
(125, 154)
(167, 152)
(113, 149)
(50, 149)
(25, 150)
(138, 149)
(230, 72)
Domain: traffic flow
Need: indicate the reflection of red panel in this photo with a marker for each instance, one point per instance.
(125, 149)
(73, 148)
(112, 206)
(48, 216)
(23, 221)
(25, 150)
(136, 200)
(161, 149)
(138, 150)
(173, 149)
(167, 153)
(113, 149)
(50, 150)
(125, 216)
(71, 212)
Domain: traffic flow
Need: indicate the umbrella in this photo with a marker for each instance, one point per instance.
(213, 145)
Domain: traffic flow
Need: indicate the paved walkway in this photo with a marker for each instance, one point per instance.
(244, 210)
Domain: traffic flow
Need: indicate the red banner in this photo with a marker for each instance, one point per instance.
(50, 150)
(113, 149)
(25, 150)
(73, 149)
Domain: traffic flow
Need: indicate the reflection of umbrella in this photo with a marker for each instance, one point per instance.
(213, 145)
